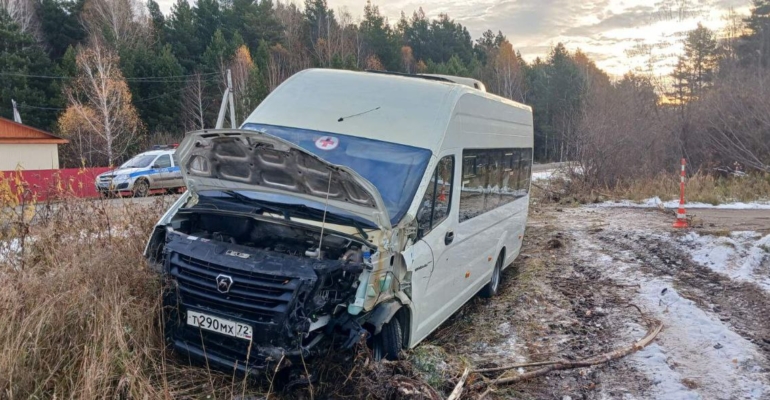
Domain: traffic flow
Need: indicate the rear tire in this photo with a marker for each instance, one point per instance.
(490, 290)
(389, 342)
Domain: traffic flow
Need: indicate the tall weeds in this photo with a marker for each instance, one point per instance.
(699, 187)
(79, 308)
(80, 316)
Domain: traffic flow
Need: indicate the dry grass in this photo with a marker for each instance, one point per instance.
(700, 188)
(80, 316)
(80, 309)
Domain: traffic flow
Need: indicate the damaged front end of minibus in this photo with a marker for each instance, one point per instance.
(256, 279)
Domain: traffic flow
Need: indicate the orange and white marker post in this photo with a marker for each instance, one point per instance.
(681, 215)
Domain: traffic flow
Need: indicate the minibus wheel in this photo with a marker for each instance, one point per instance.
(494, 283)
(388, 343)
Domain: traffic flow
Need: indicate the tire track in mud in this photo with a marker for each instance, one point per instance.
(743, 306)
(634, 253)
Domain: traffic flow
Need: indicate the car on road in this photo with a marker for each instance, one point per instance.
(145, 172)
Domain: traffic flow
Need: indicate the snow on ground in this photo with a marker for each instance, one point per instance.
(713, 356)
(696, 356)
(9, 249)
(510, 350)
(743, 256)
(656, 202)
(543, 175)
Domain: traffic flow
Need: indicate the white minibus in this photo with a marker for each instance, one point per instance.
(349, 205)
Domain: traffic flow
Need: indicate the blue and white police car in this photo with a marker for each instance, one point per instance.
(151, 170)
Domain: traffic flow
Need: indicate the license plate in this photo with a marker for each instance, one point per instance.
(219, 325)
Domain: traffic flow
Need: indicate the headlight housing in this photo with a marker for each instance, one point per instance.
(120, 178)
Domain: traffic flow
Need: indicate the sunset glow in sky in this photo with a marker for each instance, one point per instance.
(604, 29)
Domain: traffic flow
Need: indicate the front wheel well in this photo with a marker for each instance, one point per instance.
(386, 312)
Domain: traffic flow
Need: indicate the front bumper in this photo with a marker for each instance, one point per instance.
(268, 293)
(108, 186)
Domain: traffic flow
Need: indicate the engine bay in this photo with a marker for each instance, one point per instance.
(278, 236)
(292, 282)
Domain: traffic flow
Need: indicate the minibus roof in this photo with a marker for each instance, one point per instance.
(395, 108)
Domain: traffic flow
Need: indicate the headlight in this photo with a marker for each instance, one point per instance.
(120, 178)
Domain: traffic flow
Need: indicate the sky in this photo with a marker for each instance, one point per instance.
(619, 35)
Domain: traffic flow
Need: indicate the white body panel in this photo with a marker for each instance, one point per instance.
(445, 118)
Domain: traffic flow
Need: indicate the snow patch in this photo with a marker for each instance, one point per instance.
(9, 250)
(656, 202)
(743, 256)
(653, 362)
(543, 175)
(695, 347)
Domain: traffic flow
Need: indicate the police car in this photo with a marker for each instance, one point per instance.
(151, 170)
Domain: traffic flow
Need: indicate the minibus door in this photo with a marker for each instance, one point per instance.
(432, 282)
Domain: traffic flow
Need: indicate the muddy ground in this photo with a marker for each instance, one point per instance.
(577, 290)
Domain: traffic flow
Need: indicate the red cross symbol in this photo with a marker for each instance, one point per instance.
(327, 143)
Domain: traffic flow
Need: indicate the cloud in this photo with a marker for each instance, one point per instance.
(631, 18)
(604, 29)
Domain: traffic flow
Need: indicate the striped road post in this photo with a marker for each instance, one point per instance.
(681, 215)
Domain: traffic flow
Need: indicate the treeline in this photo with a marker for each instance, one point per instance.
(713, 110)
(116, 75)
(165, 74)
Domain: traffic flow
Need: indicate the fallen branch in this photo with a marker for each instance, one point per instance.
(514, 366)
(562, 365)
(458, 390)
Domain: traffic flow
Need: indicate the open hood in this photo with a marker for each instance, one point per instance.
(246, 160)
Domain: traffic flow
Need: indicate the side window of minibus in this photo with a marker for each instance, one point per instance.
(436, 203)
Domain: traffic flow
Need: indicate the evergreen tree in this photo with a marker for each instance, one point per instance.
(320, 19)
(383, 44)
(253, 20)
(754, 48)
(681, 90)
(156, 99)
(208, 18)
(700, 52)
(181, 35)
(20, 55)
(449, 39)
(60, 25)
(158, 19)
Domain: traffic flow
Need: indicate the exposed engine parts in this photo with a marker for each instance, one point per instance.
(272, 276)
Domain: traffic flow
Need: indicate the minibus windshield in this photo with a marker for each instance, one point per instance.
(394, 169)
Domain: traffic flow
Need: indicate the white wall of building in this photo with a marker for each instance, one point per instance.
(29, 156)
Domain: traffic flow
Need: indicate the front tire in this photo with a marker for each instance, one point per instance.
(491, 289)
(389, 342)
(141, 188)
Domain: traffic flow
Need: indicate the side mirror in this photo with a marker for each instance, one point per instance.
(155, 166)
(420, 233)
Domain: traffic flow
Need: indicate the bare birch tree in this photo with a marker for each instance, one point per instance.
(194, 103)
(99, 103)
(122, 22)
(23, 13)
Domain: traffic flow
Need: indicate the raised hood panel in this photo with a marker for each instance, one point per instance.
(234, 159)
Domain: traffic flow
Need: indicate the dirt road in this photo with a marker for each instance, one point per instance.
(576, 288)
(732, 220)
